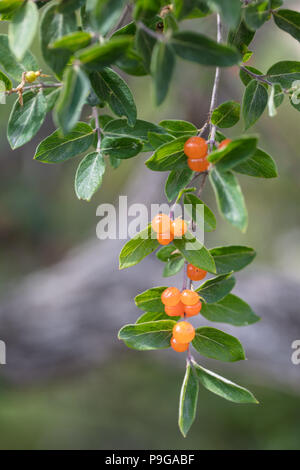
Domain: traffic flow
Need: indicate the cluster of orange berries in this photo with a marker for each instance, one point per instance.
(168, 229)
(196, 150)
(184, 304)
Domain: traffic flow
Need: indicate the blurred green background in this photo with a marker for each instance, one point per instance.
(131, 402)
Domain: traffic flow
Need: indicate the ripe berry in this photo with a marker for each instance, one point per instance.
(195, 274)
(189, 297)
(224, 143)
(183, 332)
(195, 147)
(161, 223)
(165, 238)
(198, 165)
(176, 311)
(192, 310)
(170, 296)
(179, 228)
(178, 347)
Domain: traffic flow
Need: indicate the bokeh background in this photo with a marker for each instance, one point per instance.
(68, 383)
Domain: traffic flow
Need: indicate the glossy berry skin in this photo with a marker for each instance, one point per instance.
(176, 311)
(178, 228)
(161, 223)
(198, 165)
(192, 310)
(196, 147)
(170, 296)
(183, 332)
(189, 297)
(179, 347)
(224, 143)
(165, 238)
(195, 274)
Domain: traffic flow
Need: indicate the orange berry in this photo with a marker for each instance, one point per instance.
(165, 238)
(178, 347)
(161, 223)
(195, 274)
(189, 297)
(224, 143)
(195, 147)
(170, 296)
(183, 332)
(192, 310)
(175, 311)
(179, 228)
(198, 165)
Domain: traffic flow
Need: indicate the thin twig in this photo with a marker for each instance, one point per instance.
(97, 127)
(36, 86)
(260, 78)
(154, 34)
(213, 128)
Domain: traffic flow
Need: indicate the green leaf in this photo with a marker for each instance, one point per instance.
(75, 90)
(217, 288)
(140, 130)
(191, 203)
(179, 128)
(121, 147)
(154, 316)
(145, 44)
(254, 102)
(9, 63)
(188, 400)
(25, 121)
(229, 198)
(169, 156)
(148, 336)
(288, 21)
(164, 253)
(157, 140)
(226, 115)
(138, 248)
(105, 14)
(216, 344)
(162, 67)
(177, 180)
(230, 10)
(22, 29)
(200, 49)
(189, 8)
(241, 37)
(7, 82)
(195, 252)
(73, 41)
(101, 55)
(70, 5)
(260, 165)
(51, 95)
(234, 153)
(150, 300)
(111, 88)
(145, 9)
(231, 309)
(173, 266)
(257, 14)
(284, 73)
(8, 6)
(55, 25)
(58, 148)
(89, 175)
(232, 258)
(223, 387)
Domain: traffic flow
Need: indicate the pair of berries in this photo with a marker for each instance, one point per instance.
(31, 76)
(196, 149)
(167, 229)
(183, 334)
(181, 304)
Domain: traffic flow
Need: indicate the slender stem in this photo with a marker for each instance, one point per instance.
(36, 86)
(213, 128)
(260, 78)
(97, 127)
(127, 8)
(154, 34)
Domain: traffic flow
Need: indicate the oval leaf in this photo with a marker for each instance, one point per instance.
(89, 175)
